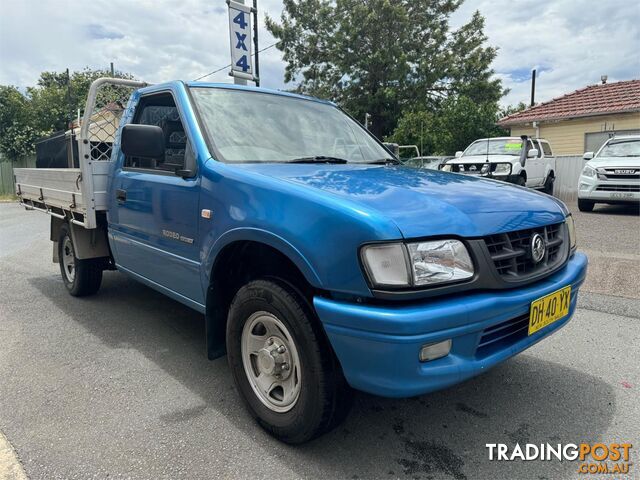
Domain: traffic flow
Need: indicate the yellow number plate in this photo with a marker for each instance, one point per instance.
(549, 309)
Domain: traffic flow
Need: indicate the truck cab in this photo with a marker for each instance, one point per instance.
(320, 263)
(522, 160)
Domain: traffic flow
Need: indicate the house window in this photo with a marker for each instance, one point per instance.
(594, 140)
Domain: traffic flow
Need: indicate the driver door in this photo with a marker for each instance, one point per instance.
(155, 211)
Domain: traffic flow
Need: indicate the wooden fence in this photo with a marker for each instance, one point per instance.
(6, 172)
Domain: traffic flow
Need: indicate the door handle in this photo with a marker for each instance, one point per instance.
(121, 195)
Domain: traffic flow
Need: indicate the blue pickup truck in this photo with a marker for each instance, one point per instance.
(320, 263)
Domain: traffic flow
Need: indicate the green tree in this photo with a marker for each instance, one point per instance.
(48, 107)
(17, 132)
(383, 57)
(58, 96)
(511, 109)
(459, 121)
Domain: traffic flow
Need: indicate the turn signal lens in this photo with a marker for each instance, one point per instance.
(387, 264)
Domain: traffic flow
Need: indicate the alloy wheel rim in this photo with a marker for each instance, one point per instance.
(68, 260)
(271, 361)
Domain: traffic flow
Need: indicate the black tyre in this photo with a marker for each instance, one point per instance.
(81, 277)
(521, 181)
(585, 205)
(548, 184)
(282, 363)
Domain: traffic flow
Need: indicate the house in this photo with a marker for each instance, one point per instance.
(581, 121)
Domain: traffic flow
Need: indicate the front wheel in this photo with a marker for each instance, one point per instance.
(521, 181)
(282, 363)
(548, 185)
(81, 277)
(585, 205)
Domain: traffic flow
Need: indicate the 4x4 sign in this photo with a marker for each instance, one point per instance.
(240, 40)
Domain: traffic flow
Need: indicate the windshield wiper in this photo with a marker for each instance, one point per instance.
(383, 161)
(318, 159)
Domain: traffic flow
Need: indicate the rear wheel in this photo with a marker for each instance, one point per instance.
(585, 205)
(282, 363)
(81, 277)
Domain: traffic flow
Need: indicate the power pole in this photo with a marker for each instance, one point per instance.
(367, 116)
(69, 102)
(255, 42)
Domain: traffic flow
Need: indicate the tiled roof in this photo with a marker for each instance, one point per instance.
(600, 99)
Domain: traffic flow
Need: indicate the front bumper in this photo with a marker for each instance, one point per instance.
(378, 346)
(608, 191)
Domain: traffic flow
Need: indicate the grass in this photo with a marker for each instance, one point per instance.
(8, 197)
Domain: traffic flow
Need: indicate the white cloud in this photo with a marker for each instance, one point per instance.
(572, 42)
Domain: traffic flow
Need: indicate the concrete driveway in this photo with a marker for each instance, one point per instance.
(118, 385)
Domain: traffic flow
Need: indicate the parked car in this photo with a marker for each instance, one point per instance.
(612, 175)
(431, 162)
(522, 160)
(319, 263)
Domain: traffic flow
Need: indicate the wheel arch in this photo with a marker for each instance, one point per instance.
(239, 259)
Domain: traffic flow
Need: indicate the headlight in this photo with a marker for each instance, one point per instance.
(439, 261)
(572, 232)
(417, 264)
(588, 171)
(445, 167)
(502, 169)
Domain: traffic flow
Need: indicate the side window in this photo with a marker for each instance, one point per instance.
(160, 110)
(538, 146)
(546, 148)
(530, 145)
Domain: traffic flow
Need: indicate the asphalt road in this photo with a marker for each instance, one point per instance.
(118, 385)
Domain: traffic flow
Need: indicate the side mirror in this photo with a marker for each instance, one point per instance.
(458, 154)
(587, 155)
(532, 153)
(142, 141)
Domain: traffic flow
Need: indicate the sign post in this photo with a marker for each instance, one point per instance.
(240, 31)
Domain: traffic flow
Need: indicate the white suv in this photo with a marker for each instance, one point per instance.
(521, 160)
(612, 175)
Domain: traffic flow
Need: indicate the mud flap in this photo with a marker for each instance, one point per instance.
(215, 323)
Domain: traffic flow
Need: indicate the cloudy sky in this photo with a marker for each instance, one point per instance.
(571, 42)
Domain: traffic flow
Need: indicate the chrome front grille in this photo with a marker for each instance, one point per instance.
(511, 252)
(472, 168)
(619, 173)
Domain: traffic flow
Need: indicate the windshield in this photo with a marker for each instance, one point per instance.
(621, 148)
(509, 146)
(250, 126)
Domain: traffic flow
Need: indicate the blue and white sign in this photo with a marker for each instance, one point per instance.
(241, 40)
